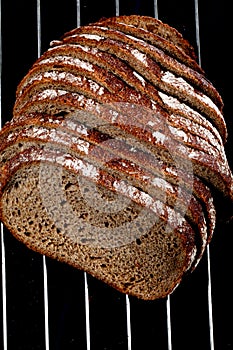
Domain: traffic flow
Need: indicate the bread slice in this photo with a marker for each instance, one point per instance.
(85, 60)
(166, 62)
(164, 80)
(107, 153)
(217, 174)
(85, 64)
(28, 130)
(121, 24)
(60, 80)
(162, 247)
(146, 61)
(81, 84)
(155, 26)
(64, 79)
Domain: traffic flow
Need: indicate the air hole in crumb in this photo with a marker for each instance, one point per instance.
(57, 66)
(83, 215)
(27, 233)
(138, 241)
(68, 185)
(85, 190)
(61, 114)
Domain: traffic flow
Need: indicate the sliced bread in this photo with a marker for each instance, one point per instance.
(114, 160)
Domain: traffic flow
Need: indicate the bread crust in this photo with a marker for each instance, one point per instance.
(112, 155)
(217, 174)
(121, 149)
(160, 57)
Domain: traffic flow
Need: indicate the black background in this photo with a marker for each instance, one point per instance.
(24, 269)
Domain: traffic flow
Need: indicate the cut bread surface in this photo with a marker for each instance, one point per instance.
(29, 220)
(108, 156)
(204, 165)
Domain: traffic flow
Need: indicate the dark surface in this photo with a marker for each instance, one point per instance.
(24, 269)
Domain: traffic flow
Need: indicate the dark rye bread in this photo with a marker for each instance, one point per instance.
(81, 84)
(217, 174)
(83, 59)
(153, 61)
(157, 27)
(74, 65)
(72, 83)
(117, 252)
(156, 192)
(108, 156)
(151, 71)
(119, 23)
(161, 29)
(114, 159)
(87, 137)
(47, 79)
(164, 61)
(103, 38)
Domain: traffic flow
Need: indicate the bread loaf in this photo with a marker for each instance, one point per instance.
(114, 158)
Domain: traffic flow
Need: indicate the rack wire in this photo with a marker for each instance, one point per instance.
(3, 261)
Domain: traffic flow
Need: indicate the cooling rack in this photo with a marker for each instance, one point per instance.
(48, 305)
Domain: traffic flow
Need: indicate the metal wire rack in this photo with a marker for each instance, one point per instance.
(48, 306)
